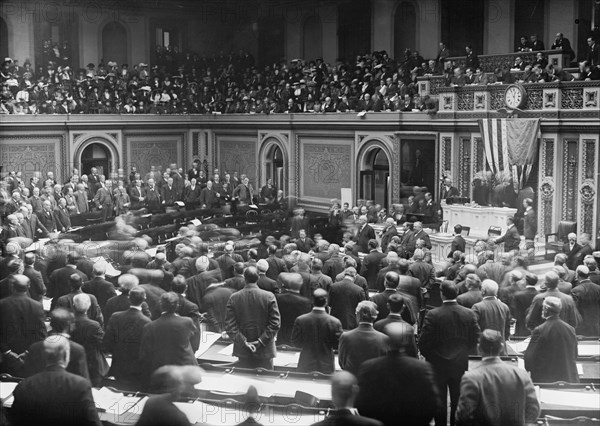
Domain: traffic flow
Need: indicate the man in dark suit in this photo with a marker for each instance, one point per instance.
(571, 248)
(420, 234)
(389, 232)
(458, 243)
(227, 260)
(46, 216)
(587, 299)
(496, 392)
(123, 338)
(136, 195)
(276, 264)
(32, 227)
(344, 390)
(37, 289)
(364, 234)
(448, 191)
(168, 339)
(317, 333)
(586, 249)
(568, 311)
(363, 342)
(121, 302)
(152, 199)
(243, 192)
(252, 323)
(98, 286)
(264, 282)
(521, 301)
(67, 301)
(473, 294)
(199, 283)
(168, 193)
(103, 199)
(54, 396)
(344, 296)
(511, 238)
(21, 325)
(409, 394)
(214, 303)
(61, 216)
(335, 264)
(304, 243)
(89, 334)
(60, 324)
(396, 308)
(59, 283)
(552, 353)
(491, 313)
(372, 264)
(209, 197)
(449, 334)
(291, 305)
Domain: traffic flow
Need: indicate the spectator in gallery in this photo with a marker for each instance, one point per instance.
(535, 43)
(593, 52)
(480, 77)
(471, 61)
(562, 43)
(587, 72)
(524, 45)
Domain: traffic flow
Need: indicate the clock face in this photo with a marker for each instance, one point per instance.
(513, 97)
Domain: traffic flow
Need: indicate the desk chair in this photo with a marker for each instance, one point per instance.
(555, 240)
(466, 230)
(495, 231)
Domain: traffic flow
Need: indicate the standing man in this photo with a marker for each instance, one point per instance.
(364, 234)
(371, 264)
(552, 352)
(448, 191)
(587, 299)
(317, 333)
(492, 313)
(151, 197)
(458, 243)
(511, 238)
(104, 199)
(496, 393)
(252, 323)
(389, 232)
(529, 228)
(344, 297)
(448, 336)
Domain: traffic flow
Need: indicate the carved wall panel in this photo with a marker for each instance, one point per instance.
(238, 155)
(326, 168)
(587, 188)
(155, 150)
(464, 162)
(40, 153)
(547, 186)
(569, 185)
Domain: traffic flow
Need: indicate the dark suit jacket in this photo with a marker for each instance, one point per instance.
(59, 282)
(306, 245)
(35, 363)
(587, 299)
(47, 220)
(168, 195)
(214, 303)
(423, 271)
(253, 315)
(581, 254)
(209, 198)
(359, 345)
(102, 289)
(123, 339)
(94, 311)
(410, 346)
(370, 267)
(410, 393)
(160, 410)
(571, 254)
(333, 266)
(54, 398)
(153, 293)
(276, 266)
(291, 306)
(493, 314)
(343, 297)
(267, 284)
(345, 417)
(168, 341)
(89, 334)
(520, 303)
(37, 289)
(449, 193)
(422, 235)
(317, 334)
(387, 236)
(511, 239)
(363, 236)
(121, 303)
(551, 354)
(469, 298)
(152, 198)
(62, 219)
(409, 314)
(458, 243)
(198, 284)
(449, 334)
(21, 323)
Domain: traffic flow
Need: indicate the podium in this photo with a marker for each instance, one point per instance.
(478, 218)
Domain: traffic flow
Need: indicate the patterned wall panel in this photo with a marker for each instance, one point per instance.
(326, 168)
(237, 155)
(464, 164)
(446, 155)
(569, 184)
(30, 154)
(587, 188)
(154, 150)
(547, 185)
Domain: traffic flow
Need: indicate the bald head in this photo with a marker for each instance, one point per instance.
(401, 335)
(344, 388)
(489, 288)
(57, 351)
(20, 283)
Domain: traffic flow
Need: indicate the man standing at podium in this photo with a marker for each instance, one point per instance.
(252, 323)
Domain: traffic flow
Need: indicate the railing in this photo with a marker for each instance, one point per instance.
(488, 63)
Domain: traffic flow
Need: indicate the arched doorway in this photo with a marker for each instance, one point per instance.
(405, 29)
(96, 155)
(374, 177)
(3, 39)
(114, 43)
(313, 43)
(275, 167)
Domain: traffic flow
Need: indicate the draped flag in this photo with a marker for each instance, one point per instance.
(511, 144)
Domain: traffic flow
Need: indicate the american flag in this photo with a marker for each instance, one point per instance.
(511, 144)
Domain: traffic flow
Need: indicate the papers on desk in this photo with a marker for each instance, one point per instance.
(580, 399)
(579, 369)
(286, 359)
(180, 203)
(192, 410)
(519, 347)
(589, 349)
(227, 350)
(117, 403)
(207, 339)
(47, 303)
(6, 390)
(196, 222)
(104, 398)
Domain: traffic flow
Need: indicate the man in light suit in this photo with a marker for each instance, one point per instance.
(81, 199)
(317, 333)
(496, 392)
(252, 322)
(61, 216)
(364, 342)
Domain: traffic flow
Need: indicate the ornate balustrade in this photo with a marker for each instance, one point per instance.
(488, 63)
(583, 96)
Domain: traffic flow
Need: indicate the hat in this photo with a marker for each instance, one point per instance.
(111, 64)
(292, 61)
(531, 279)
(143, 65)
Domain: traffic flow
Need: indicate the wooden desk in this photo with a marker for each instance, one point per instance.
(478, 218)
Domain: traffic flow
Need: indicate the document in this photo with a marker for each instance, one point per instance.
(588, 349)
(104, 398)
(207, 339)
(227, 351)
(6, 390)
(580, 399)
(193, 411)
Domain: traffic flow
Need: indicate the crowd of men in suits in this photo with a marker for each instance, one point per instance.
(381, 309)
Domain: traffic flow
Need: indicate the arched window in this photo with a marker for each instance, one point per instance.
(114, 43)
(405, 29)
(313, 38)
